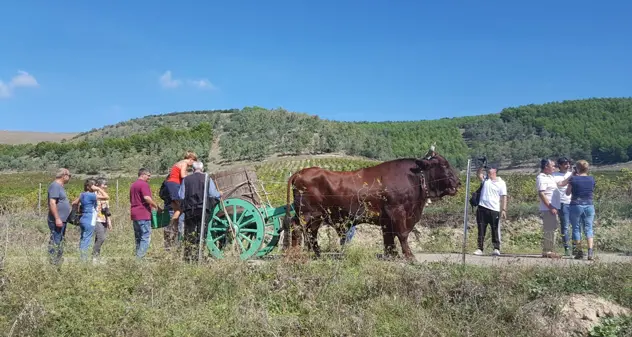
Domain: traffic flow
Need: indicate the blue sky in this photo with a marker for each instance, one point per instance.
(85, 64)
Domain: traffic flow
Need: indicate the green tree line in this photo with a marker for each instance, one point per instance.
(596, 129)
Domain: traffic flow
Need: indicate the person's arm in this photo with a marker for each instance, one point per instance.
(183, 169)
(101, 194)
(503, 201)
(569, 189)
(543, 198)
(479, 174)
(52, 204)
(147, 197)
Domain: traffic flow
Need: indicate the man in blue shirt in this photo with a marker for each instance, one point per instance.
(191, 195)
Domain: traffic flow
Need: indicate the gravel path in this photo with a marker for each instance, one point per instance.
(519, 259)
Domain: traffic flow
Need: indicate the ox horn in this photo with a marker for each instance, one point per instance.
(431, 153)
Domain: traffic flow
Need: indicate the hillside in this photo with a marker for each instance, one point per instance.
(595, 129)
(26, 137)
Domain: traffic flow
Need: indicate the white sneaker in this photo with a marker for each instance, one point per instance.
(496, 252)
(478, 252)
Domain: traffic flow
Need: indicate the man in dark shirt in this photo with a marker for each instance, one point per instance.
(141, 204)
(191, 194)
(58, 212)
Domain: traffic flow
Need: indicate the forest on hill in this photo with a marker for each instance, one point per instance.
(595, 129)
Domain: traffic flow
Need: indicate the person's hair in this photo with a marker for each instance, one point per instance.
(582, 166)
(562, 160)
(190, 155)
(89, 183)
(198, 165)
(61, 172)
(101, 181)
(143, 171)
(543, 163)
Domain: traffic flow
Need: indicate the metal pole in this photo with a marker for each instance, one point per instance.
(39, 200)
(203, 217)
(117, 194)
(465, 213)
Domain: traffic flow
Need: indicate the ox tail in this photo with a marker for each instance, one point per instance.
(290, 182)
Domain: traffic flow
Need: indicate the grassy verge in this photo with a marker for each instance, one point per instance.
(355, 296)
(358, 295)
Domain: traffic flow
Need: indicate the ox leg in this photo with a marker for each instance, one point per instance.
(297, 233)
(402, 232)
(312, 237)
(389, 240)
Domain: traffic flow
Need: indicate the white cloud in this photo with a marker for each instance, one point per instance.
(22, 79)
(5, 90)
(202, 84)
(166, 80)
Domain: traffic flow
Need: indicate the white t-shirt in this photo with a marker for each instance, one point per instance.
(546, 182)
(491, 193)
(559, 196)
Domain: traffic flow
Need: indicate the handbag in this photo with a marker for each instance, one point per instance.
(475, 198)
(74, 216)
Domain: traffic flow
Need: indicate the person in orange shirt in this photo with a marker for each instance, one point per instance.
(178, 171)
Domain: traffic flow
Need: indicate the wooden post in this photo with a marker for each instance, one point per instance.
(465, 211)
(117, 194)
(39, 200)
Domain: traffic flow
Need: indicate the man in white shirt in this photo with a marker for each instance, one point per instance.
(546, 187)
(489, 210)
(560, 197)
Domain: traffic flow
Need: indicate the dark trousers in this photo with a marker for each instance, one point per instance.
(100, 234)
(485, 216)
(192, 227)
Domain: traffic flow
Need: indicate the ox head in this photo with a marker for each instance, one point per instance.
(442, 179)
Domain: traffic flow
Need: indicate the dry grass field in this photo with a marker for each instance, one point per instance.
(25, 137)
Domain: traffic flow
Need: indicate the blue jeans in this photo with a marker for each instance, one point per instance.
(142, 234)
(87, 231)
(585, 214)
(55, 245)
(564, 216)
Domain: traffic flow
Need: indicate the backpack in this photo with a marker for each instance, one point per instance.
(163, 193)
(476, 195)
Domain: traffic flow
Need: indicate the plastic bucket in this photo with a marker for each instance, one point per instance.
(159, 219)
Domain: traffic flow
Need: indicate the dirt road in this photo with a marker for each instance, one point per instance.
(519, 259)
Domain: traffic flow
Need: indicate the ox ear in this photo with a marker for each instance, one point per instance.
(423, 164)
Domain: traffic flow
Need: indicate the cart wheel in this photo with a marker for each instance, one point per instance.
(248, 226)
(272, 234)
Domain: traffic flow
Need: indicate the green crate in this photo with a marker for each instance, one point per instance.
(159, 219)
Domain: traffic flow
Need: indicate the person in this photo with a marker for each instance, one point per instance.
(560, 198)
(88, 200)
(191, 199)
(546, 186)
(104, 221)
(491, 206)
(581, 188)
(172, 184)
(58, 211)
(141, 204)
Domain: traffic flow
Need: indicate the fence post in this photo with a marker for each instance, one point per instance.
(117, 194)
(39, 200)
(465, 213)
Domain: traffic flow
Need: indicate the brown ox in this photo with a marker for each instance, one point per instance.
(391, 194)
